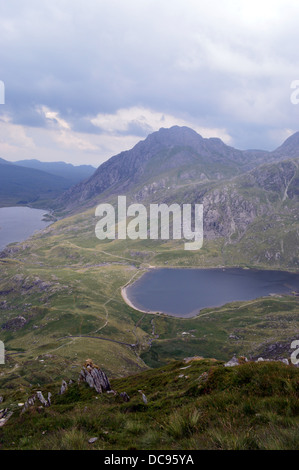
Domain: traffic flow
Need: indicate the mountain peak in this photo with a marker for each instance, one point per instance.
(166, 158)
(177, 135)
(290, 147)
(179, 130)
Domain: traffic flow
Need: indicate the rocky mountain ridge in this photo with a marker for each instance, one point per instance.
(170, 158)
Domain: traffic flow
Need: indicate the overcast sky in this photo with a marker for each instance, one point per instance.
(86, 79)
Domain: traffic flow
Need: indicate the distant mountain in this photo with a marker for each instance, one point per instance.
(37, 183)
(169, 158)
(72, 173)
(4, 162)
(20, 185)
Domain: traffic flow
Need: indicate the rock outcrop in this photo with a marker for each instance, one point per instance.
(14, 324)
(39, 396)
(237, 361)
(4, 416)
(125, 396)
(63, 387)
(42, 399)
(94, 377)
(28, 403)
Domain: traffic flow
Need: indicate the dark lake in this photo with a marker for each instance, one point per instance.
(19, 223)
(184, 292)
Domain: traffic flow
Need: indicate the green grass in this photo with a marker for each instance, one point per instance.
(253, 406)
(67, 285)
(82, 296)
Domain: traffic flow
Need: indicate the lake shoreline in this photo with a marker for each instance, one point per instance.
(19, 223)
(130, 303)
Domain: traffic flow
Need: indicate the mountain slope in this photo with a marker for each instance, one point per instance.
(20, 185)
(191, 404)
(4, 162)
(290, 148)
(257, 215)
(167, 158)
(31, 183)
(251, 208)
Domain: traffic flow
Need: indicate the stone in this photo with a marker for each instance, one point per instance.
(125, 396)
(42, 399)
(4, 416)
(92, 440)
(94, 377)
(63, 388)
(29, 402)
(235, 361)
(143, 397)
(232, 363)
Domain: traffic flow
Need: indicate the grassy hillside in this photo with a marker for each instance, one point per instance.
(60, 302)
(190, 405)
(66, 285)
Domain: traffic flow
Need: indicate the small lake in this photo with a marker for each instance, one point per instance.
(184, 292)
(19, 223)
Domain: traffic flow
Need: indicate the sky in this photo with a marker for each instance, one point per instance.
(87, 79)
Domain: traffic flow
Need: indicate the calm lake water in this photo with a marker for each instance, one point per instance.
(184, 292)
(19, 223)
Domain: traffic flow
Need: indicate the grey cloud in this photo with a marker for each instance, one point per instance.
(196, 60)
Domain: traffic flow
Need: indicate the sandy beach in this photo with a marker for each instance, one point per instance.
(128, 302)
